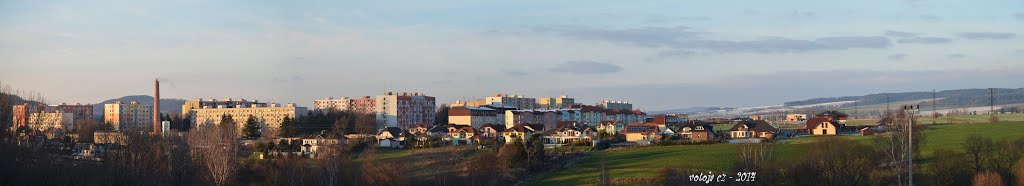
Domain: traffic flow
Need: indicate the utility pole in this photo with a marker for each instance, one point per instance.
(887, 105)
(856, 109)
(910, 145)
(991, 101)
(935, 113)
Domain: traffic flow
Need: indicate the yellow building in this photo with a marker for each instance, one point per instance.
(822, 126)
(128, 117)
(561, 102)
(641, 133)
(46, 121)
(270, 117)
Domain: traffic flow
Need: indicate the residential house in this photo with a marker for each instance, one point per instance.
(641, 133)
(463, 135)
(610, 127)
(521, 132)
(833, 115)
(823, 126)
(753, 129)
(572, 132)
(313, 147)
(491, 131)
(796, 117)
(393, 137)
(696, 132)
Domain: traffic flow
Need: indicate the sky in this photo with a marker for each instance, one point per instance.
(655, 54)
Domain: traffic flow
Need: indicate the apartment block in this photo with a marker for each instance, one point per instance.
(518, 101)
(615, 105)
(561, 102)
(214, 103)
(270, 116)
(332, 104)
(128, 117)
(405, 109)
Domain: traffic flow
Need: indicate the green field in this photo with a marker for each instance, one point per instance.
(645, 162)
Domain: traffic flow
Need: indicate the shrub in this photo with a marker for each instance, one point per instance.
(987, 179)
(950, 168)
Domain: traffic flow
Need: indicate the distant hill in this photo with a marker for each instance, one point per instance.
(946, 97)
(17, 100)
(166, 105)
(690, 110)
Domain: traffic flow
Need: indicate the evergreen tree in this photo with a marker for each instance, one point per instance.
(287, 128)
(251, 129)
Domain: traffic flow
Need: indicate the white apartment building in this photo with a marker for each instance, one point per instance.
(339, 104)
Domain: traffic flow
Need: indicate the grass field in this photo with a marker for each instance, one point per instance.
(645, 162)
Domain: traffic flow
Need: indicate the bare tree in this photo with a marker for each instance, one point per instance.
(893, 144)
(215, 149)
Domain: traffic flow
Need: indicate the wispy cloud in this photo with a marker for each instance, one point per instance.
(897, 57)
(515, 72)
(986, 35)
(930, 18)
(900, 34)
(925, 40)
(956, 56)
(585, 67)
(682, 37)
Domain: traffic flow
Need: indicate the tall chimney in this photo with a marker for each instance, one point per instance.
(156, 106)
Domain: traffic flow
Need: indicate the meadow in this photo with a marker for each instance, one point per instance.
(645, 162)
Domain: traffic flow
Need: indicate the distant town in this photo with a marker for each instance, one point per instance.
(525, 137)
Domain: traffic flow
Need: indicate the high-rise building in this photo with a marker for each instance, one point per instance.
(615, 105)
(270, 116)
(214, 103)
(364, 104)
(405, 109)
(518, 101)
(21, 113)
(332, 104)
(128, 117)
(561, 102)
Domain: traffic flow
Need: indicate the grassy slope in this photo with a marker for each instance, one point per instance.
(645, 162)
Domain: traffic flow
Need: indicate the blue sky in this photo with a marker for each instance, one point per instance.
(657, 54)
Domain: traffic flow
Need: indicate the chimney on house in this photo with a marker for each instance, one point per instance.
(156, 107)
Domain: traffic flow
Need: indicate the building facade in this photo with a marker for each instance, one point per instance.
(561, 102)
(405, 109)
(214, 103)
(332, 104)
(366, 104)
(615, 105)
(23, 114)
(474, 116)
(128, 117)
(518, 101)
(270, 117)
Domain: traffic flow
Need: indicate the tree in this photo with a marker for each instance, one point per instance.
(215, 149)
(893, 143)
(251, 129)
(949, 168)
(287, 128)
(535, 150)
(979, 150)
(441, 118)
